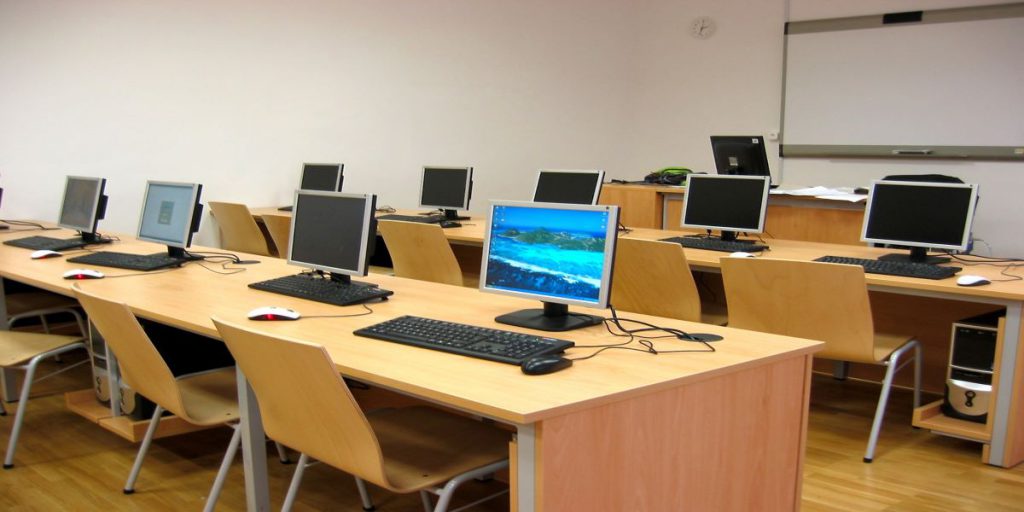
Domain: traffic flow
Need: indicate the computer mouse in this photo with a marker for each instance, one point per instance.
(450, 224)
(274, 313)
(540, 365)
(44, 253)
(740, 254)
(83, 273)
(971, 280)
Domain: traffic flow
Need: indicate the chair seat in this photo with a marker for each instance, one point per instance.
(20, 303)
(713, 313)
(423, 447)
(886, 344)
(210, 397)
(18, 347)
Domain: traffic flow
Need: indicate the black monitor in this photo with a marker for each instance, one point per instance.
(557, 253)
(328, 177)
(333, 232)
(726, 203)
(448, 189)
(740, 154)
(171, 213)
(83, 206)
(568, 187)
(920, 215)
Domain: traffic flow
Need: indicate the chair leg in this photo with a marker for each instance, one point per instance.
(427, 505)
(19, 417)
(293, 488)
(129, 486)
(364, 495)
(883, 398)
(445, 496)
(917, 374)
(222, 473)
(282, 454)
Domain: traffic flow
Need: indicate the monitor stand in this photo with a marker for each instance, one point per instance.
(180, 254)
(916, 255)
(4, 226)
(93, 238)
(554, 318)
(346, 280)
(452, 215)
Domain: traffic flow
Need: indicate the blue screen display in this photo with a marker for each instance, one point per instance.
(547, 252)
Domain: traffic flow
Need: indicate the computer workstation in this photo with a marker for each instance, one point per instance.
(447, 189)
(84, 204)
(727, 203)
(325, 177)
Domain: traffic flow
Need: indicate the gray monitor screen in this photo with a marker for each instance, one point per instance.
(330, 231)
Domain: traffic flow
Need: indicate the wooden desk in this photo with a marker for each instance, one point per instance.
(787, 217)
(623, 431)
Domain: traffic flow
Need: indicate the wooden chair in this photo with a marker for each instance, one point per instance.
(818, 301)
(24, 351)
(313, 411)
(206, 398)
(238, 229)
(653, 278)
(420, 251)
(280, 229)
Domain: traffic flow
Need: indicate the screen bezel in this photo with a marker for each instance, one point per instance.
(969, 222)
(611, 237)
(94, 214)
(764, 202)
(186, 238)
(369, 201)
(466, 187)
(597, 186)
(338, 177)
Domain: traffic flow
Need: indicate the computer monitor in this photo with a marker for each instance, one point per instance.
(83, 206)
(171, 213)
(726, 203)
(740, 154)
(447, 188)
(568, 187)
(557, 253)
(920, 215)
(333, 232)
(327, 177)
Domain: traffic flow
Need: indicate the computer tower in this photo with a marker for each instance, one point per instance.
(971, 363)
(132, 404)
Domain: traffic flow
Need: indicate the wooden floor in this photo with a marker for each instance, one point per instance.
(66, 463)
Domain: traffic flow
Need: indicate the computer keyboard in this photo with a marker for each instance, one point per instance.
(319, 289)
(895, 268)
(468, 340)
(49, 243)
(715, 244)
(127, 261)
(426, 219)
(285, 208)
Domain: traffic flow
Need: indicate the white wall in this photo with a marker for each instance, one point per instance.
(236, 94)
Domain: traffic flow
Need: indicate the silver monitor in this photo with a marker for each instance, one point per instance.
(332, 232)
(728, 203)
(170, 214)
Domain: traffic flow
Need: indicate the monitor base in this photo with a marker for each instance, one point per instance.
(914, 258)
(537, 319)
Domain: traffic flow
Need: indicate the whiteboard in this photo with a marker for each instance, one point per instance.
(918, 85)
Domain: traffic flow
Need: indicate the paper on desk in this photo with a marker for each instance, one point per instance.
(834, 194)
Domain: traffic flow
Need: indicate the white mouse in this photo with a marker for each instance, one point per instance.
(44, 253)
(274, 313)
(971, 280)
(83, 273)
(741, 254)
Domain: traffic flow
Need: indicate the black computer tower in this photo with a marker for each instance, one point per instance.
(971, 364)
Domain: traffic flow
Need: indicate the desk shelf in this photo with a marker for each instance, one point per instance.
(930, 417)
(84, 403)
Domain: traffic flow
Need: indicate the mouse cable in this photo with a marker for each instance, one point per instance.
(364, 313)
(227, 271)
(983, 259)
(645, 341)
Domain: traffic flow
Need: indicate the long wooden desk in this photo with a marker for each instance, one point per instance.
(623, 431)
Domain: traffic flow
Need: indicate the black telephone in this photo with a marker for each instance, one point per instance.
(668, 176)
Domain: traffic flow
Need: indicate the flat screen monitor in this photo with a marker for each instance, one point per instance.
(568, 187)
(920, 215)
(446, 188)
(171, 214)
(332, 232)
(557, 253)
(83, 205)
(726, 203)
(327, 177)
(740, 154)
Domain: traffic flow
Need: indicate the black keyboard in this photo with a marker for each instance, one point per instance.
(426, 219)
(127, 261)
(715, 244)
(895, 268)
(285, 208)
(49, 243)
(319, 289)
(480, 342)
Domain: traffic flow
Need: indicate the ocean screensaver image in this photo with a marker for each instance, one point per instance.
(547, 251)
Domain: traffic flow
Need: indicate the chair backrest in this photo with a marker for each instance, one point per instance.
(420, 251)
(304, 402)
(142, 366)
(280, 229)
(238, 230)
(806, 299)
(653, 278)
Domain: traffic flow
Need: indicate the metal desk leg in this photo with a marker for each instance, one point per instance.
(1001, 409)
(254, 448)
(526, 475)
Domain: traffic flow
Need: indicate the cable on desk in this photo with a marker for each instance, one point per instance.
(364, 313)
(644, 341)
(35, 225)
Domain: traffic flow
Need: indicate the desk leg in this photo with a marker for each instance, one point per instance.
(997, 453)
(254, 448)
(526, 469)
(8, 384)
